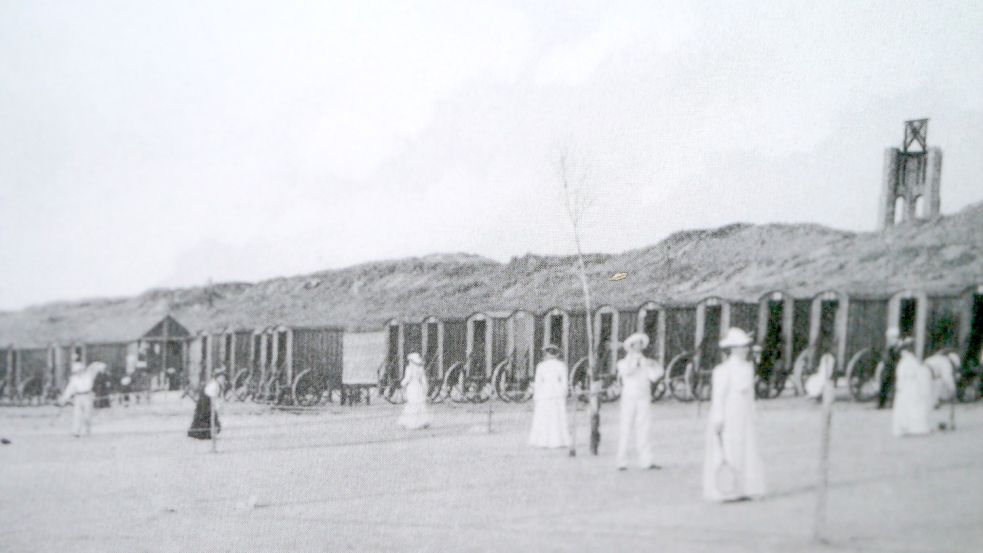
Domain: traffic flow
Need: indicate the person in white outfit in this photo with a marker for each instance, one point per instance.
(637, 373)
(549, 416)
(914, 399)
(79, 392)
(731, 446)
(415, 413)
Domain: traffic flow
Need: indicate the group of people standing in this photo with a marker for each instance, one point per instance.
(916, 387)
(732, 465)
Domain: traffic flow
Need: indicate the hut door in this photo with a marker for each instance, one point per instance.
(975, 343)
(392, 356)
(478, 344)
(772, 345)
(604, 346)
(431, 354)
(174, 354)
(203, 368)
(710, 348)
(556, 331)
(908, 316)
(826, 341)
(650, 326)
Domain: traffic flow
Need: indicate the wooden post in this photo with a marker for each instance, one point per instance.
(822, 484)
(211, 422)
(489, 417)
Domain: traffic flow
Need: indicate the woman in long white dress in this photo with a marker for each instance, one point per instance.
(732, 468)
(549, 417)
(913, 396)
(415, 413)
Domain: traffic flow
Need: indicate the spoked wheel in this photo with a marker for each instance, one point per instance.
(393, 393)
(579, 387)
(659, 388)
(612, 389)
(454, 384)
(308, 388)
(509, 386)
(969, 387)
(803, 367)
(679, 377)
(702, 384)
(435, 390)
(862, 372)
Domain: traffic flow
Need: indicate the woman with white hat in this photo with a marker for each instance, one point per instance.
(732, 468)
(415, 413)
(80, 391)
(914, 398)
(549, 416)
(637, 373)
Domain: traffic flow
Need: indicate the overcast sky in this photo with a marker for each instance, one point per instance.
(147, 144)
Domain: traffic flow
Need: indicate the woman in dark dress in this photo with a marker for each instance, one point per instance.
(201, 425)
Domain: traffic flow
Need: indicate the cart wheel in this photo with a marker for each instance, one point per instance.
(678, 371)
(659, 388)
(501, 380)
(393, 393)
(454, 385)
(579, 387)
(969, 387)
(307, 389)
(862, 372)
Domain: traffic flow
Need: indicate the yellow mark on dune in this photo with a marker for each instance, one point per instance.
(618, 276)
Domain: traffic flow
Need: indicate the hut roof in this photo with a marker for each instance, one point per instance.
(121, 327)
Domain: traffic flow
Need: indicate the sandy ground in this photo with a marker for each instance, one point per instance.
(346, 479)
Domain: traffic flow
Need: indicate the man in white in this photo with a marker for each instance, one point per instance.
(637, 373)
(79, 390)
(731, 447)
(913, 397)
(549, 417)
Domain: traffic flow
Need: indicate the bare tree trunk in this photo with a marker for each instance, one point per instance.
(822, 484)
(594, 404)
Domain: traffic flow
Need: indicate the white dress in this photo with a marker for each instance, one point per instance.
(415, 413)
(732, 406)
(637, 374)
(549, 417)
(913, 399)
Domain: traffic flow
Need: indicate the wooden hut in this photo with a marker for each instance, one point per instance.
(652, 322)
(487, 339)
(318, 349)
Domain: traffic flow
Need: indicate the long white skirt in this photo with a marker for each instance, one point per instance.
(415, 413)
(549, 424)
(741, 454)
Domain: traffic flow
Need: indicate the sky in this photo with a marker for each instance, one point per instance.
(151, 144)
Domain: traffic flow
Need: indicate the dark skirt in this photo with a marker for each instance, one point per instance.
(201, 428)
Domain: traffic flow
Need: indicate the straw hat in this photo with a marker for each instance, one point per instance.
(97, 366)
(551, 350)
(415, 358)
(77, 367)
(893, 333)
(637, 338)
(735, 338)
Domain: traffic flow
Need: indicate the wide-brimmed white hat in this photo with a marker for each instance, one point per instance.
(636, 338)
(735, 338)
(415, 358)
(893, 333)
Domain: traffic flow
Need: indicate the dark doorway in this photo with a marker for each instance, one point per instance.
(604, 343)
(478, 343)
(826, 341)
(556, 331)
(907, 317)
(650, 326)
(772, 346)
(710, 347)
